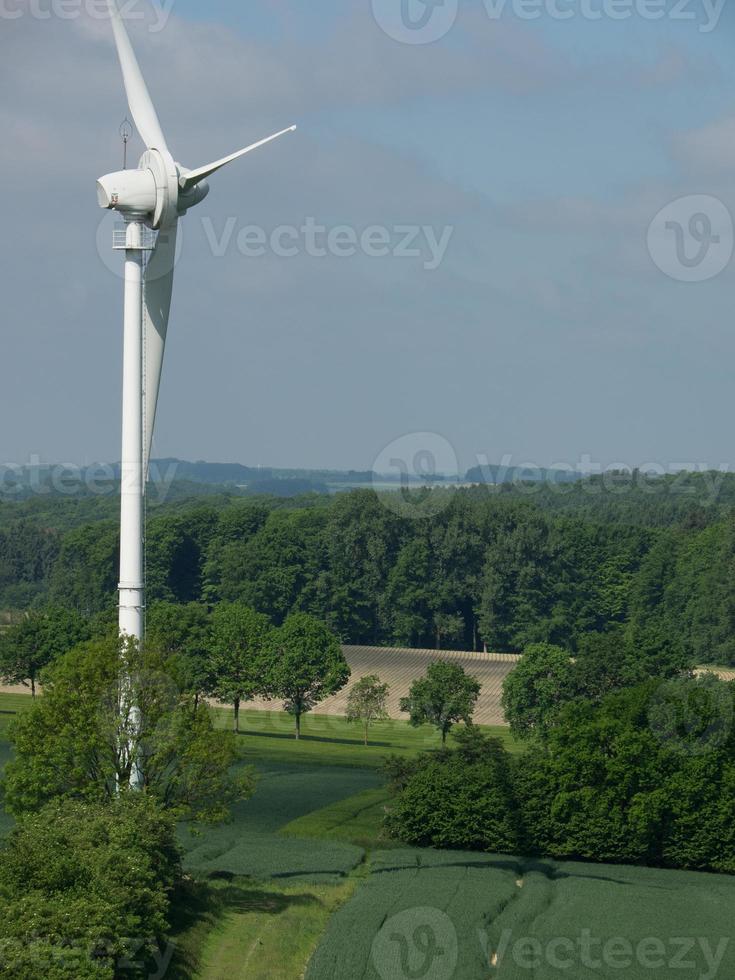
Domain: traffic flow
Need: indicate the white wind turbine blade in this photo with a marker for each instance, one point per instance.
(159, 282)
(192, 177)
(139, 100)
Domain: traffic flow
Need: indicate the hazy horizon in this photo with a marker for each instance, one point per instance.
(547, 314)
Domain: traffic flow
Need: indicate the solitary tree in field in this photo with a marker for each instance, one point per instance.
(306, 665)
(38, 640)
(237, 643)
(366, 702)
(445, 696)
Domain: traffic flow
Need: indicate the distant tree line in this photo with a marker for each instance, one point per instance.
(500, 569)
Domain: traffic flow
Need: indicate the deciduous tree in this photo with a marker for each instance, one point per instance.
(80, 739)
(537, 689)
(445, 696)
(306, 665)
(366, 702)
(238, 641)
(37, 640)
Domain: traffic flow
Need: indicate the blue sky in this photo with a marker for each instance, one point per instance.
(547, 331)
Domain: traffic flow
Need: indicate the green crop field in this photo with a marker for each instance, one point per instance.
(302, 883)
(357, 820)
(462, 916)
(249, 844)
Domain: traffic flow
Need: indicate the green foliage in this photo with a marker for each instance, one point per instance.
(605, 663)
(305, 665)
(72, 742)
(507, 567)
(537, 689)
(646, 777)
(547, 678)
(85, 576)
(238, 641)
(85, 888)
(459, 799)
(27, 556)
(366, 702)
(222, 569)
(181, 633)
(277, 569)
(37, 640)
(175, 550)
(444, 696)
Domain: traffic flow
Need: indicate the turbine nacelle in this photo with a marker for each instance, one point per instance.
(152, 193)
(131, 192)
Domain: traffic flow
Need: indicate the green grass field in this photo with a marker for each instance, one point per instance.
(302, 883)
(330, 740)
(252, 930)
(268, 736)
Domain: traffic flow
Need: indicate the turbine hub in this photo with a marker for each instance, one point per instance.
(188, 199)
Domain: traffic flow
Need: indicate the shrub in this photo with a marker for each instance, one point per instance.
(459, 799)
(86, 886)
(647, 777)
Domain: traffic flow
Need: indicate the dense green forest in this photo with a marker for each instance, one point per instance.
(498, 566)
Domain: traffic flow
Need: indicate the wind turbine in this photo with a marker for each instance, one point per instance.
(154, 196)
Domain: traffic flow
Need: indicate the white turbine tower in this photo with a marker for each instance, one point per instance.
(153, 197)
